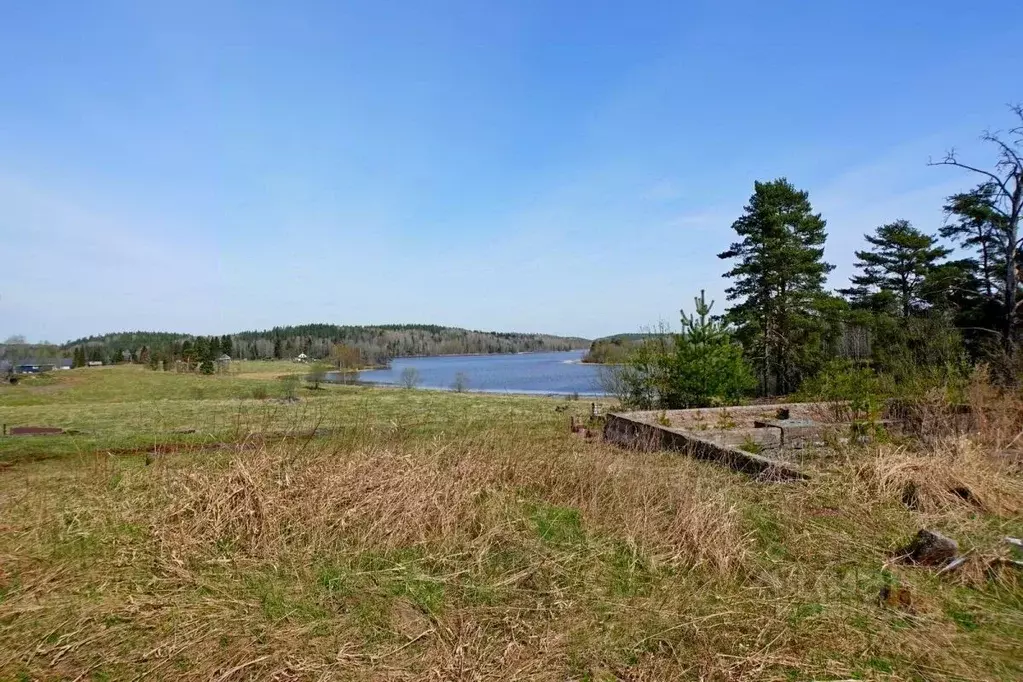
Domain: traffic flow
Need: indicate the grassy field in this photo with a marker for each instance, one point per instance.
(366, 533)
(126, 408)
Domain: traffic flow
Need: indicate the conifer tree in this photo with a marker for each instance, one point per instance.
(895, 268)
(707, 366)
(1000, 200)
(778, 283)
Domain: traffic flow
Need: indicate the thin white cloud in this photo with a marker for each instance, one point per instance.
(663, 191)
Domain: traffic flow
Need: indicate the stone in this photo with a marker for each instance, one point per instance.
(930, 548)
(953, 565)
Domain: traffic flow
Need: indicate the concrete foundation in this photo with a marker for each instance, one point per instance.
(628, 431)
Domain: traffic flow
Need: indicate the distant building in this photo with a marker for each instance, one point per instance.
(34, 366)
(94, 363)
(65, 363)
(302, 357)
(224, 363)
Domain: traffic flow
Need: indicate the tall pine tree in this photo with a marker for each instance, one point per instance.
(778, 281)
(895, 268)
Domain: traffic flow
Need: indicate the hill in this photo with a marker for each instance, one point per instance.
(376, 343)
(622, 337)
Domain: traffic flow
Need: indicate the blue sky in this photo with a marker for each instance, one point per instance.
(565, 167)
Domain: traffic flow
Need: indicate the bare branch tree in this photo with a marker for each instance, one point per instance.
(1006, 179)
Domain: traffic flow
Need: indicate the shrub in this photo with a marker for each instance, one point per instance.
(410, 377)
(317, 373)
(853, 392)
(290, 385)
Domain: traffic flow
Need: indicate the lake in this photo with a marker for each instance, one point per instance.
(561, 373)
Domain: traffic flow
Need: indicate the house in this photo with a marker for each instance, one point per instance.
(65, 363)
(224, 363)
(33, 366)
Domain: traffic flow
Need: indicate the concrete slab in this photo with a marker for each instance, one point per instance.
(627, 431)
(797, 433)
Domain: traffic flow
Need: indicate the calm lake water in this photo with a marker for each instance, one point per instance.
(559, 373)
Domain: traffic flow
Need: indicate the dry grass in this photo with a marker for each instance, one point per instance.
(473, 553)
(955, 473)
(273, 504)
(500, 549)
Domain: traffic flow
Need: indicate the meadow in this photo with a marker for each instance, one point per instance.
(215, 528)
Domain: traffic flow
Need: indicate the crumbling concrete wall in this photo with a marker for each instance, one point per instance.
(624, 430)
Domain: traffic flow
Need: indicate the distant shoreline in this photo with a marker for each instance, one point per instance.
(479, 355)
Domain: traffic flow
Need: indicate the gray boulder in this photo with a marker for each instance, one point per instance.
(930, 548)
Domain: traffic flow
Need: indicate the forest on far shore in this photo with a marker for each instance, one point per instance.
(375, 344)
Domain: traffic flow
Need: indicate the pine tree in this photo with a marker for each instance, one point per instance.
(187, 351)
(226, 347)
(896, 268)
(778, 283)
(707, 366)
(977, 226)
(200, 348)
(207, 352)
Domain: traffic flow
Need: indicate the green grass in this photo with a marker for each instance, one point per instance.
(427, 535)
(127, 408)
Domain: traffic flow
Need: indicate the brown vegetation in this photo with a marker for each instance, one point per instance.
(511, 550)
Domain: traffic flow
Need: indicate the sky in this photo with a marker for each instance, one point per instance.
(561, 167)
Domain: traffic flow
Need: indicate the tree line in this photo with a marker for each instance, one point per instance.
(920, 304)
(371, 345)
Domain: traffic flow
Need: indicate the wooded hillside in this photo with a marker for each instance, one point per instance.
(376, 344)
